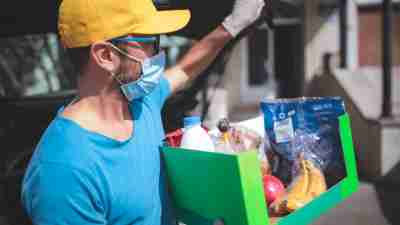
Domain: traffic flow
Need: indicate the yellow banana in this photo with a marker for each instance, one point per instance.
(278, 207)
(298, 193)
(317, 180)
(309, 184)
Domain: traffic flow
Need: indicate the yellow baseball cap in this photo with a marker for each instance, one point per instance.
(83, 22)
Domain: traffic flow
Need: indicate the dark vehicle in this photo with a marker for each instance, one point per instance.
(22, 122)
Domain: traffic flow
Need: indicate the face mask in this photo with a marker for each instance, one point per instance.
(152, 70)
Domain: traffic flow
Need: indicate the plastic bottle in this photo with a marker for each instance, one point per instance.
(195, 137)
(224, 142)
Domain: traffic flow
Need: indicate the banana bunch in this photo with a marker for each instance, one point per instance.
(309, 184)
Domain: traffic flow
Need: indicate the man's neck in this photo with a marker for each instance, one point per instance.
(104, 103)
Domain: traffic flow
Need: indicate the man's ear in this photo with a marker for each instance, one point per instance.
(105, 57)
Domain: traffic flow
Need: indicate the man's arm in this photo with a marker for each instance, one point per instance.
(204, 52)
(198, 58)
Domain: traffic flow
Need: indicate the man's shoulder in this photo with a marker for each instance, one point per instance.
(63, 143)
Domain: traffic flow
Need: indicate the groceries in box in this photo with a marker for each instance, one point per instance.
(298, 148)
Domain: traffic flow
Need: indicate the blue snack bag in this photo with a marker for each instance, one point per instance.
(308, 127)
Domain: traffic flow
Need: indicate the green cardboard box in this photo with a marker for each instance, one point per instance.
(206, 186)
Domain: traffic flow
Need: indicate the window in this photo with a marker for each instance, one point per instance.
(175, 47)
(258, 70)
(34, 65)
(258, 42)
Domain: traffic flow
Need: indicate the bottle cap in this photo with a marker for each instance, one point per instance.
(191, 121)
(223, 125)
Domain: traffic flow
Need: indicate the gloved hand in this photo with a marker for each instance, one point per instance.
(244, 13)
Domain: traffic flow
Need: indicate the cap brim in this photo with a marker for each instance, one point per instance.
(164, 22)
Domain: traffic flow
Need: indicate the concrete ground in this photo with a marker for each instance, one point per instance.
(374, 204)
(363, 208)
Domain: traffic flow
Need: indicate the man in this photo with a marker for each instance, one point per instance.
(98, 161)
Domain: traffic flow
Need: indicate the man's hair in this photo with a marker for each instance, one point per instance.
(79, 57)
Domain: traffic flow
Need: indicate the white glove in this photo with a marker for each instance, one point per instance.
(244, 13)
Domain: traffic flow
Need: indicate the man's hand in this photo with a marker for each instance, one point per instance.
(244, 13)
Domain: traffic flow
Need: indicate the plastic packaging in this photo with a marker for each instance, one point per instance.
(233, 138)
(195, 136)
(306, 126)
(246, 138)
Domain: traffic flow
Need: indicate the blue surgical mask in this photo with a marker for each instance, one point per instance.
(152, 70)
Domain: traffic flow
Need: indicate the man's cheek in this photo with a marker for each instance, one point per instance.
(136, 71)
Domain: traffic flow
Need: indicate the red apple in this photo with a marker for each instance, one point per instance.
(273, 188)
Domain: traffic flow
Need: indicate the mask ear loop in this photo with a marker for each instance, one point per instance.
(115, 75)
(126, 54)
